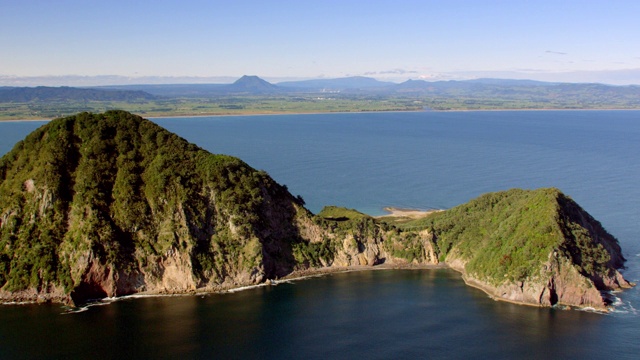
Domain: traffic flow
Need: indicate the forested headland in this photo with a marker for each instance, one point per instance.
(111, 204)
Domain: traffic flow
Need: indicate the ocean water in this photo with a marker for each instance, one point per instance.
(367, 161)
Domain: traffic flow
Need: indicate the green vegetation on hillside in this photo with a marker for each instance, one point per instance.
(340, 214)
(402, 244)
(509, 235)
(97, 205)
(114, 185)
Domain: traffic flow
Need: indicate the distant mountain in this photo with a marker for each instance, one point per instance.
(441, 95)
(556, 94)
(510, 82)
(247, 84)
(254, 85)
(422, 85)
(44, 93)
(109, 80)
(502, 91)
(354, 82)
(414, 85)
(172, 90)
(251, 84)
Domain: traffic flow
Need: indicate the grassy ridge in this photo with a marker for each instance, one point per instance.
(341, 214)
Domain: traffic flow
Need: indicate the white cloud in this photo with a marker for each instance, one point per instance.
(556, 52)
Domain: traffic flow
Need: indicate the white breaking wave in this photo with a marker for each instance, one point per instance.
(242, 288)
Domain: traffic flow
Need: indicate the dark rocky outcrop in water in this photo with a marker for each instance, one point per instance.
(103, 205)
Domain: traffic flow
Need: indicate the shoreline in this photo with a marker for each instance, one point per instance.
(329, 112)
(495, 297)
(296, 275)
(24, 120)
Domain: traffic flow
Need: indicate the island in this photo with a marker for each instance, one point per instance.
(109, 204)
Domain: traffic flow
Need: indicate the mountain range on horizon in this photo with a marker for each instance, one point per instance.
(608, 77)
(346, 81)
(251, 94)
(254, 85)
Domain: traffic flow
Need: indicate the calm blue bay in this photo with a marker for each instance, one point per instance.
(367, 161)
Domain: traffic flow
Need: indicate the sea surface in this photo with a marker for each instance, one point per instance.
(367, 161)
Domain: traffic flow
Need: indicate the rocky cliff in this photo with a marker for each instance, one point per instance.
(103, 205)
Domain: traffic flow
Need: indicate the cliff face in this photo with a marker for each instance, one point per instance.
(103, 205)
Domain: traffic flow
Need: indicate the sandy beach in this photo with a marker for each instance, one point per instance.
(406, 213)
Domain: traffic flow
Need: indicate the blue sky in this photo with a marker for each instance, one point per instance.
(394, 40)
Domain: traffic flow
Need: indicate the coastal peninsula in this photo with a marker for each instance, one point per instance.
(111, 204)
